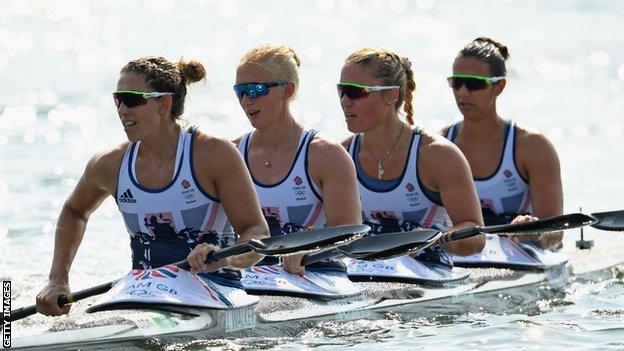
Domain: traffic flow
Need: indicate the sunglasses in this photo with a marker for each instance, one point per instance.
(357, 91)
(134, 98)
(255, 90)
(471, 81)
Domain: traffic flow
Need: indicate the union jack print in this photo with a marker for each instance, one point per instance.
(265, 269)
(164, 272)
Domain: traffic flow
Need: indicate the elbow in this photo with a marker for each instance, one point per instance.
(467, 247)
(70, 211)
(263, 232)
(479, 244)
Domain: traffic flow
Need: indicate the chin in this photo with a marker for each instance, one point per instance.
(132, 137)
(355, 128)
(259, 124)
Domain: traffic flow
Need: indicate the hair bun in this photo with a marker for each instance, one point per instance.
(406, 62)
(295, 57)
(502, 49)
(193, 71)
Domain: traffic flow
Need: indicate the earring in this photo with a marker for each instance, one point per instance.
(161, 112)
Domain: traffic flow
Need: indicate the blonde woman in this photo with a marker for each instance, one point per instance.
(407, 177)
(302, 179)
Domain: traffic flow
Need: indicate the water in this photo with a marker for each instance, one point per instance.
(59, 63)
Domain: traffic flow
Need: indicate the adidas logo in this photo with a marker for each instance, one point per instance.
(127, 197)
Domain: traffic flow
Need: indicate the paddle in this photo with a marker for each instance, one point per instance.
(379, 247)
(611, 220)
(540, 226)
(307, 240)
(389, 245)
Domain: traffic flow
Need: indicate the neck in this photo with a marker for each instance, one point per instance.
(484, 129)
(278, 134)
(162, 145)
(382, 138)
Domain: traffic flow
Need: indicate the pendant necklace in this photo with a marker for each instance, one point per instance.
(382, 162)
(267, 162)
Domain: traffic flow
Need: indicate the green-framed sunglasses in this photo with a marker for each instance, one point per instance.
(357, 91)
(471, 81)
(134, 98)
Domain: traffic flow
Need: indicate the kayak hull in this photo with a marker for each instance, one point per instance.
(488, 290)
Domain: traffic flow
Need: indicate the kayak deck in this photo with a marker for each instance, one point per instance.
(506, 286)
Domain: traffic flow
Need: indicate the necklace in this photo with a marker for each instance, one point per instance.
(382, 162)
(267, 162)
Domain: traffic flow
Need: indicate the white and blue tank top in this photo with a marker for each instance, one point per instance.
(295, 202)
(505, 192)
(401, 204)
(166, 224)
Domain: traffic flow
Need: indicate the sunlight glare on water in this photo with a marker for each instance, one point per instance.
(59, 63)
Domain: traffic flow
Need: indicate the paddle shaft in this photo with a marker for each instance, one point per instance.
(556, 223)
(541, 226)
(287, 244)
(62, 300)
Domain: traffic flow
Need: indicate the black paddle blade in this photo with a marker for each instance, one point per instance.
(612, 220)
(545, 225)
(542, 226)
(309, 240)
(390, 245)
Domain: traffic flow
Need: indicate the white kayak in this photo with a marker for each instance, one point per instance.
(275, 312)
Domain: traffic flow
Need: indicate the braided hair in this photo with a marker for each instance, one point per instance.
(391, 69)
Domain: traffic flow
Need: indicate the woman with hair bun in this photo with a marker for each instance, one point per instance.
(516, 170)
(174, 187)
(408, 178)
(302, 179)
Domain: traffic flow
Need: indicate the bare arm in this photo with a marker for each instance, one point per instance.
(92, 188)
(541, 164)
(445, 169)
(334, 172)
(222, 172)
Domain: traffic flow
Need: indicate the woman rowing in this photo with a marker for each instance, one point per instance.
(174, 187)
(515, 170)
(408, 178)
(302, 180)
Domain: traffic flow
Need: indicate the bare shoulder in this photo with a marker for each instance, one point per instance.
(322, 149)
(534, 151)
(105, 158)
(434, 146)
(530, 140)
(211, 150)
(103, 168)
(329, 161)
(327, 158)
(441, 162)
(438, 157)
